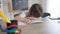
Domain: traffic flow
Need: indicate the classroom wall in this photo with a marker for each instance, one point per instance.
(44, 3)
(8, 12)
(5, 8)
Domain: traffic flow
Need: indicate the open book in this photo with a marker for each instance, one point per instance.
(33, 22)
(36, 21)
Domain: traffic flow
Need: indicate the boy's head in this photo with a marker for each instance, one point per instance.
(35, 10)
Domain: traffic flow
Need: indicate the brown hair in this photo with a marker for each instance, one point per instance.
(35, 11)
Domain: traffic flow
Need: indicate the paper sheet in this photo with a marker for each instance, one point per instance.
(36, 21)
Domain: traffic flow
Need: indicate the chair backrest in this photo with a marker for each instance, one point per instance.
(46, 14)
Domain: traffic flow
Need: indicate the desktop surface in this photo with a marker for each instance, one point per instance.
(47, 27)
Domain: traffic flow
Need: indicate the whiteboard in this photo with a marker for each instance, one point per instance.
(20, 4)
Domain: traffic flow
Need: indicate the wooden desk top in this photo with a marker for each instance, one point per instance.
(47, 27)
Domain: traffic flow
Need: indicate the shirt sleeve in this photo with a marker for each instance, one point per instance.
(23, 15)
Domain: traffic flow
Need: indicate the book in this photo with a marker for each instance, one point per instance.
(36, 21)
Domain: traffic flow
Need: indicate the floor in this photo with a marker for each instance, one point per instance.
(47, 27)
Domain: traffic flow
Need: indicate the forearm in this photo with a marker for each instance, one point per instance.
(22, 19)
(19, 18)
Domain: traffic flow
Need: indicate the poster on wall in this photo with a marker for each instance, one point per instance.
(20, 4)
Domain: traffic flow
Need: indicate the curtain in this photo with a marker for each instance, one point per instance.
(53, 7)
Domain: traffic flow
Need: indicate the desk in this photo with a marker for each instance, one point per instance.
(47, 27)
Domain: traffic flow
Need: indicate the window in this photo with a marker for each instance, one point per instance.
(53, 7)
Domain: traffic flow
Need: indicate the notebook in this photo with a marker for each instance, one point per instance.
(36, 21)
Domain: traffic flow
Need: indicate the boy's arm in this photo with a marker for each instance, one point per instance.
(19, 18)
